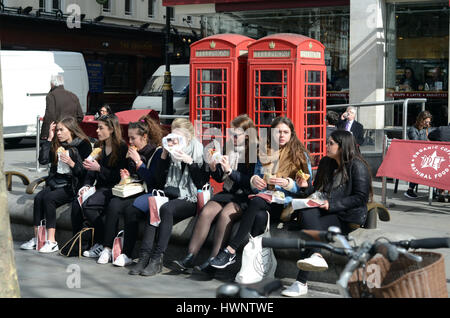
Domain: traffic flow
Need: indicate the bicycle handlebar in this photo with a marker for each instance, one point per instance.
(386, 249)
(430, 243)
(284, 243)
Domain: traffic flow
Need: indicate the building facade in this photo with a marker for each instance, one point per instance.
(122, 41)
(371, 47)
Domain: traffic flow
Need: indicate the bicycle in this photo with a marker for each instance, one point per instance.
(359, 256)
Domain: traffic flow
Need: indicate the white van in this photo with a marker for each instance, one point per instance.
(151, 96)
(26, 82)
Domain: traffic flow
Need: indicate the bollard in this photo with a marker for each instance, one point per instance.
(38, 135)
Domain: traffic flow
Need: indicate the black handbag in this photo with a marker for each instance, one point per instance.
(57, 182)
(82, 241)
(172, 192)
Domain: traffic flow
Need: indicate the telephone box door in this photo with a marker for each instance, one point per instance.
(270, 94)
(313, 81)
(211, 102)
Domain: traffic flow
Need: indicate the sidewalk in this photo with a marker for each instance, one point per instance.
(413, 217)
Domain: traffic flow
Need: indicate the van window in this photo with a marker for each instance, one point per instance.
(154, 86)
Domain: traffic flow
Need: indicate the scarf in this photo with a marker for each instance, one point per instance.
(277, 163)
(179, 178)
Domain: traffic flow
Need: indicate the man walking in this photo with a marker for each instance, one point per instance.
(349, 123)
(60, 103)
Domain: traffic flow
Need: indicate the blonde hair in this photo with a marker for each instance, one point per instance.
(185, 124)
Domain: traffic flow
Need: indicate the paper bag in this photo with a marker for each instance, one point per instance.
(155, 202)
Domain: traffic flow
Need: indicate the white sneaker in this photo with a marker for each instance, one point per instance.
(49, 247)
(105, 256)
(122, 260)
(30, 245)
(315, 263)
(94, 251)
(295, 290)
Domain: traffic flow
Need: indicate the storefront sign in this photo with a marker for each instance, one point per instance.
(95, 75)
(285, 53)
(428, 94)
(212, 53)
(310, 54)
(421, 162)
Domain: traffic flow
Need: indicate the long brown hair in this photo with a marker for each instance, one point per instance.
(112, 122)
(421, 117)
(297, 154)
(72, 125)
(247, 125)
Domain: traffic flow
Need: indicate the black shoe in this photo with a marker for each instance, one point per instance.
(410, 194)
(223, 259)
(154, 267)
(205, 268)
(141, 264)
(184, 264)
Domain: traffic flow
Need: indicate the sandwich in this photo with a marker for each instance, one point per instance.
(131, 147)
(60, 150)
(302, 175)
(95, 153)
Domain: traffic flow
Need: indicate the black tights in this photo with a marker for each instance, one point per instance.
(316, 219)
(254, 220)
(170, 213)
(225, 215)
(46, 202)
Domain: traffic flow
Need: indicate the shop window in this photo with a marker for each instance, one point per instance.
(417, 59)
(117, 74)
(107, 6)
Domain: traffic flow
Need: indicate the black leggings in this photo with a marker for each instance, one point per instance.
(46, 202)
(254, 220)
(317, 219)
(170, 213)
(116, 207)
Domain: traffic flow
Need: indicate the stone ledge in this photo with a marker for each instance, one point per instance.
(20, 207)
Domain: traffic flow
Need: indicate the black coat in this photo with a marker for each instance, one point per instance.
(109, 175)
(348, 200)
(441, 133)
(241, 177)
(357, 130)
(78, 151)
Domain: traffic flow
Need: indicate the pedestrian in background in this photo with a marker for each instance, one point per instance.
(349, 123)
(419, 131)
(60, 103)
(332, 119)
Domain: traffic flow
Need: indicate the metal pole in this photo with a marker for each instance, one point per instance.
(38, 136)
(167, 97)
(383, 183)
(405, 117)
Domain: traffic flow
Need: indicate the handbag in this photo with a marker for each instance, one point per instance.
(56, 182)
(82, 241)
(41, 235)
(257, 262)
(117, 246)
(203, 196)
(155, 202)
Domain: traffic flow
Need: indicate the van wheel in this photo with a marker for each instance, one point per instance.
(13, 141)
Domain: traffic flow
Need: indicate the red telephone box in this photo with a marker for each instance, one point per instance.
(287, 77)
(218, 75)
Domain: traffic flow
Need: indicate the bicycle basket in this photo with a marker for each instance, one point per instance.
(403, 278)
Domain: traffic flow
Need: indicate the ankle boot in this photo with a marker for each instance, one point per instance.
(141, 264)
(185, 263)
(154, 267)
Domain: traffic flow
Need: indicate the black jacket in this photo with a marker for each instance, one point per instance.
(78, 151)
(441, 133)
(348, 200)
(109, 175)
(241, 177)
(357, 130)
